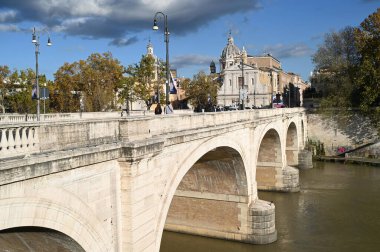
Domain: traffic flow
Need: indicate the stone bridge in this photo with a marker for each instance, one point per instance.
(114, 184)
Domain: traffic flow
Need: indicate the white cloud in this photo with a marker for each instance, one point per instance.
(8, 15)
(124, 42)
(282, 51)
(9, 28)
(191, 60)
(116, 18)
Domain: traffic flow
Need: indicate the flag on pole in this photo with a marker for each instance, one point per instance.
(173, 84)
(34, 92)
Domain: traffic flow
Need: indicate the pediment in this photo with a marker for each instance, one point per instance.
(237, 67)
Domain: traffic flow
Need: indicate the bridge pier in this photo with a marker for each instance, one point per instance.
(305, 159)
(228, 217)
(262, 222)
(290, 179)
(275, 178)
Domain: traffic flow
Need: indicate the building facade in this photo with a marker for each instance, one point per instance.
(254, 81)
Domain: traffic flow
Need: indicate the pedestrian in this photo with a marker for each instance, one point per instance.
(168, 108)
(158, 109)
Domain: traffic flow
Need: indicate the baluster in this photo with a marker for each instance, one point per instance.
(18, 145)
(3, 143)
(24, 139)
(11, 141)
(35, 139)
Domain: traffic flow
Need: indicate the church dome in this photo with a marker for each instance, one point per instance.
(231, 50)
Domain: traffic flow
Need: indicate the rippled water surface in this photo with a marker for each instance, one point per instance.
(337, 209)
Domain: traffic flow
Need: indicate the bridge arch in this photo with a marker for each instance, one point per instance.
(68, 216)
(207, 153)
(269, 159)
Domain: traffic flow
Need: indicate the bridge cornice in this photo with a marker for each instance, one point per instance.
(48, 163)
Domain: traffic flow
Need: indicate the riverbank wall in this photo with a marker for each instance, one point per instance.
(338, 132)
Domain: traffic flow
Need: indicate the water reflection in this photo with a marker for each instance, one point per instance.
(337, 209)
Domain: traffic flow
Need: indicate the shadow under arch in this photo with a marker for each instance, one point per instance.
(37, 239)
(292, 147)
(70, 219)
(211, 196)
(212, 177)
(269, 161)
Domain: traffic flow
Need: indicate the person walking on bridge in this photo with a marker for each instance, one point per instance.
(169, 108)
(158, 109)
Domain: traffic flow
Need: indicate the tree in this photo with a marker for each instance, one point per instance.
(96, 79)
(126, 92)
(143, 75)
(4, 74)
(17, 91)
(201, 91)
(336, 61)
(368, 77)
(349, 65)
(66, 83)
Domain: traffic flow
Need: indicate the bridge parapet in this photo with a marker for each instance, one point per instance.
(18, 140)
(146, 127)
(64, 131)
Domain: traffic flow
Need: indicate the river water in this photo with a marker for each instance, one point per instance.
(337, 209)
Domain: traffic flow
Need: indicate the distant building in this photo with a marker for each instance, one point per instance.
(263, 79)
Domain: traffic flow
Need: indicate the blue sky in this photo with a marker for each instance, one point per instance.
(290, 30)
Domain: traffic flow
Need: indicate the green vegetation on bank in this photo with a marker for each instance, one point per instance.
(348, 68)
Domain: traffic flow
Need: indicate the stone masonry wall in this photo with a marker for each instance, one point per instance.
(337, 130)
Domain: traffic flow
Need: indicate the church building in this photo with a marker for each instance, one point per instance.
(254, 81)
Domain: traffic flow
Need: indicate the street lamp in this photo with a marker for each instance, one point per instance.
(241, 91)
(166, 34)
(270, 75)
(36, 42)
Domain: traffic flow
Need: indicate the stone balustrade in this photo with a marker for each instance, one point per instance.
(62, 131)
(16, 141)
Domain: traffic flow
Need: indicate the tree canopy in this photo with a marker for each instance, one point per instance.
(16, 90)
(142, 76)
(348, 67)
(96, 80)
(202, 91)
(367, 38)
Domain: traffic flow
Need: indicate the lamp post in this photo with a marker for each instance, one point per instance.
(44, 89)
(36, 42)
(166, 33)
(271, 92)
(241, 91)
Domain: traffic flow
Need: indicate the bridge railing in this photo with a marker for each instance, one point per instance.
(140, 128)
(261, 113)
(15, 118)
(63, 132)
(16, 141)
